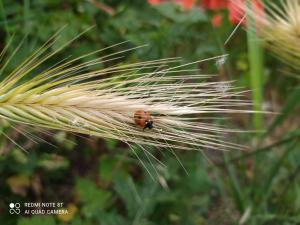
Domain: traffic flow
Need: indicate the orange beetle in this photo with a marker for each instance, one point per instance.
(143, 119)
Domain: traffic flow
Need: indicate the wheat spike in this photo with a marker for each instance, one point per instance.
(279, 28)
(102, 102)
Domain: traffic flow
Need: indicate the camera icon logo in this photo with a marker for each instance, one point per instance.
(14, 208)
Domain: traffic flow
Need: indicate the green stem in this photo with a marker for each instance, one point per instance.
(255, 55)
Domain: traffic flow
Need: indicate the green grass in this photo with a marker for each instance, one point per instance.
(3, 18)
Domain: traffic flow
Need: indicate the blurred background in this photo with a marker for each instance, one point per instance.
(102, 181)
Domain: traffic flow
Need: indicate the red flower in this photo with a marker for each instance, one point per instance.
(216, 20)
(235, 8)
(154, 2)
(236, 12)
(187, 4)
(214, 4)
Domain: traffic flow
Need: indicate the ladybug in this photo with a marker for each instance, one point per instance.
(143, 119)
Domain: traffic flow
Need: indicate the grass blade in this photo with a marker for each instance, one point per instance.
(267, 186)
(289, 106)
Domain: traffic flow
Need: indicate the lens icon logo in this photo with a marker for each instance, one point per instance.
(14, 208)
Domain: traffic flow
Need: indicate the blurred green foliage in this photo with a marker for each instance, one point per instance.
(102, 181)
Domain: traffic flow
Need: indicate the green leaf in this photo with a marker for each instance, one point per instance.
(268, 180)
(112, 218)
(110, 166)
(111, 144)
(128, 192)
(139, 200)
(237, 192)
(172, 12)
(291, 103)
(94, 199)
(37, 220)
